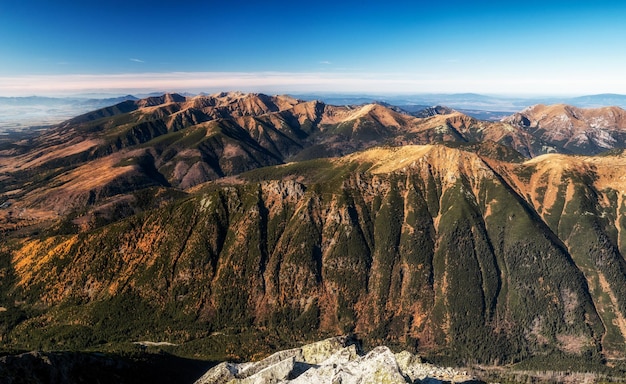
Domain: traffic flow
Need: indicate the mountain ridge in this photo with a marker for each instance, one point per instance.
(228, 221)
(588, 131)
(38, 111)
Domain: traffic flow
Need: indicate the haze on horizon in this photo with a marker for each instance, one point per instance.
(512, 48)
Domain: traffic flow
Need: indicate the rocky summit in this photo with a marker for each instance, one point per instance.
(335, 360)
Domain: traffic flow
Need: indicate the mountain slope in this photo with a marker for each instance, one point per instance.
(173, 141)
(583, 131)
(427, 247)
(581, 199)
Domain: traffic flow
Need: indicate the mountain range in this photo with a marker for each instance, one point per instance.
(231, 225)
(21, 114)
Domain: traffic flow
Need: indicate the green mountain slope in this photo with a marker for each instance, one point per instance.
(425, 247)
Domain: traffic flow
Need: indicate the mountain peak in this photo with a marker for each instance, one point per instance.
(409, 158)
(433, 111)
(166, 98)
(229, 95)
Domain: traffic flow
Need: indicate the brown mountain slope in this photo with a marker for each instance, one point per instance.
(183, 142)
(585, 131)
(174, 141)
(459, 127)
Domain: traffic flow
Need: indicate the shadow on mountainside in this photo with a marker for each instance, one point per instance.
(80, 367)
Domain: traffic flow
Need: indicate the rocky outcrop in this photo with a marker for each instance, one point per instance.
(335, 360)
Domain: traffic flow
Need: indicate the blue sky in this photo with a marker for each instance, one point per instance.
(524, 47)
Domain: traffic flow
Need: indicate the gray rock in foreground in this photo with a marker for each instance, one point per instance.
(333, 361)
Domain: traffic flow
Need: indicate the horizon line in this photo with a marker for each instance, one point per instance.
(297, 83)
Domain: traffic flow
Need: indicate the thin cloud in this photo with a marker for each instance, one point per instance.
(180, 81)
(325, 62)
(137, 60)
(285, 82)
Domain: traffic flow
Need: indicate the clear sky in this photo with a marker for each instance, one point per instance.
(510, 48)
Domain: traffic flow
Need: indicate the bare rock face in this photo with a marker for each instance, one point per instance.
(579, 130)
(335, 360)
